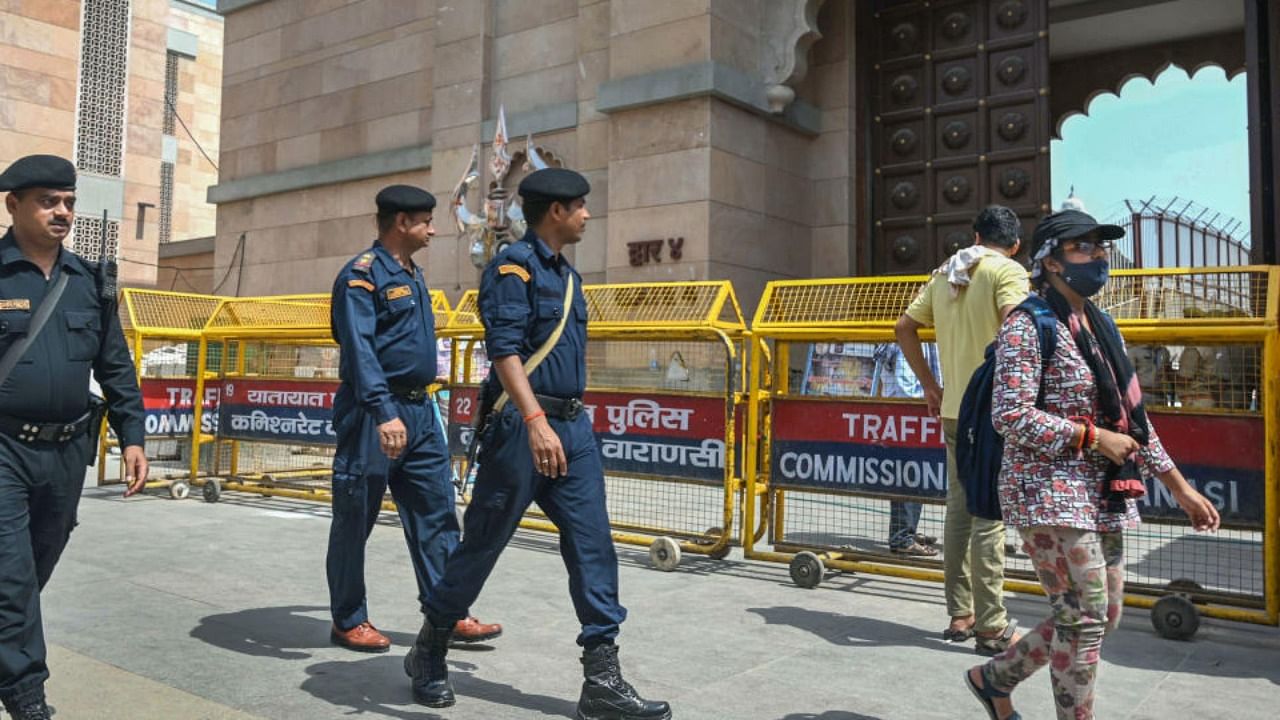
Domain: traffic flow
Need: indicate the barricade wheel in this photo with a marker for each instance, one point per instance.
(807, 570)
(1175, 617)
(212, 491)
(179, 491)
(664, 554)
(1186, 587)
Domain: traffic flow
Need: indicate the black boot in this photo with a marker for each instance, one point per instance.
(606, 696)
(35, 709)
(425, 664)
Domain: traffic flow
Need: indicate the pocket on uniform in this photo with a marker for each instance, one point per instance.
(550, 308)
(84, 331)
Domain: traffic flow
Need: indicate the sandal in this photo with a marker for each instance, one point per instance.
(915, 549)
(986, 695)
(992, 646)
(926, 539)
(953, 635)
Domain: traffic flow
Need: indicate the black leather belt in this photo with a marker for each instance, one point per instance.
(406, 392)
(560, 408)
(32, 432)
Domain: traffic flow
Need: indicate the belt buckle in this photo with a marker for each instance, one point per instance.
(573, 408)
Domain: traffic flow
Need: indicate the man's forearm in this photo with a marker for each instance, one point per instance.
(913, 353)
(511, 372)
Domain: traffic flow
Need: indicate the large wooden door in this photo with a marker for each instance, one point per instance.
(959, 103)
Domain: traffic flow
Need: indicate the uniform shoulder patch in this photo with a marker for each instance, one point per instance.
(363, 262)
(511, 269)
(357, 282)
(399, 291)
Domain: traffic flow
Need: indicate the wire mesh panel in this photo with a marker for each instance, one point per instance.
(162, 329)
(845, 466)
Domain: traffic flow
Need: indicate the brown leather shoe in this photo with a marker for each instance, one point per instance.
(361, 638)
(471, 630)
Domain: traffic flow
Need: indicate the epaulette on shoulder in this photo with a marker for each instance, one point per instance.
(519, 252)
(363, 263)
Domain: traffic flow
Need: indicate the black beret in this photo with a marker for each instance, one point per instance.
(43, 171)
(405, 198)
(554, 184)
(1068, 224)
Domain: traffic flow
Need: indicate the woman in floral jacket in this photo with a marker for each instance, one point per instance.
(1072, 468)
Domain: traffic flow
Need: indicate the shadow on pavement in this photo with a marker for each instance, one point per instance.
(286, 633)
(830, 715)
(852, 631)
(378, 686)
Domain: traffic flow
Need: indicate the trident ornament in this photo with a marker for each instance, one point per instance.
(502, 221)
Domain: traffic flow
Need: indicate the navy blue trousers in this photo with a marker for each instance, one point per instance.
(40, 488)
(420, 481)
(506, 483)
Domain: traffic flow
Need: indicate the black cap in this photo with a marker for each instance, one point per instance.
(554, 184)
(1068, 224)
(43, 171)
(405, 198)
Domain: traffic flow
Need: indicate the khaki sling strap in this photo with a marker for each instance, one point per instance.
(536, 359)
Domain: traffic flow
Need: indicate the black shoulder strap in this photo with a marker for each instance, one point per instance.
(1046, 322)
(19, 347)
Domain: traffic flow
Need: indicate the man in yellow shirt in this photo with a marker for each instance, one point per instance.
(966, 300)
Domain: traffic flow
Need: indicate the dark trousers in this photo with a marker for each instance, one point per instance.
(421, 484)
(506, 483)
(40, 489)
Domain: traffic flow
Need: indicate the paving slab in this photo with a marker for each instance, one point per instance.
(183, 609)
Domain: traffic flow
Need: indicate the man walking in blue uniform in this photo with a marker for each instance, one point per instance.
(58, 320)
(537, 445)
(386, 425)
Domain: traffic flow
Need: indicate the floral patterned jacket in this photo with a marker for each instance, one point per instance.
(1044, 480)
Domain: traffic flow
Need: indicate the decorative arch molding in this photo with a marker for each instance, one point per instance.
(1076, 82)
(789, 29)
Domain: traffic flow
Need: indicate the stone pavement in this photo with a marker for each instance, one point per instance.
(180, 610)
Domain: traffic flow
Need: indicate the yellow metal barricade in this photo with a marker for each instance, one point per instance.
(163, 333)
(272, 364)
(835, 460)
(664, 379)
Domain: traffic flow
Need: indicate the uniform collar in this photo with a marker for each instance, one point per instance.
(10, 253)
(388, 260)
(543, 249)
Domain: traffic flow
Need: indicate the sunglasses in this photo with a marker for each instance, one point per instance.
(1089, 247)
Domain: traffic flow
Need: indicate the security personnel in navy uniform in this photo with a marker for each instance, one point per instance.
(538, 447)
(387, 431)
(48, 422)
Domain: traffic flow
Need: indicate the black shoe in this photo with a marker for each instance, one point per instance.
(29, 710)
(425, 664)
(606, 696)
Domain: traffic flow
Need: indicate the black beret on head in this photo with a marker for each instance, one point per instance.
(554, 185)
(1068, 224)
(405, 198)
(42, 171)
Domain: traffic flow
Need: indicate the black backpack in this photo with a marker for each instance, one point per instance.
(979, 448)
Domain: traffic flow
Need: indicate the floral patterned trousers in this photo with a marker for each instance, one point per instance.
(1082, 572)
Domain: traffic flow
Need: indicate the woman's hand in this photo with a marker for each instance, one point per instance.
(1201, 512)
(1117, 447)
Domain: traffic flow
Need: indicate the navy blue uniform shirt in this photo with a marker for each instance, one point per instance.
(381, 316)
(51, 382)
(521, 301)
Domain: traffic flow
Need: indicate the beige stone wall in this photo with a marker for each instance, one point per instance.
(307, 82)
(144, 123)
(39, 42)
(191, 273)
(200, 107)
(754, 197)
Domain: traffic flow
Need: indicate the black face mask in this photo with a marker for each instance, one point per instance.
(1086, 279)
